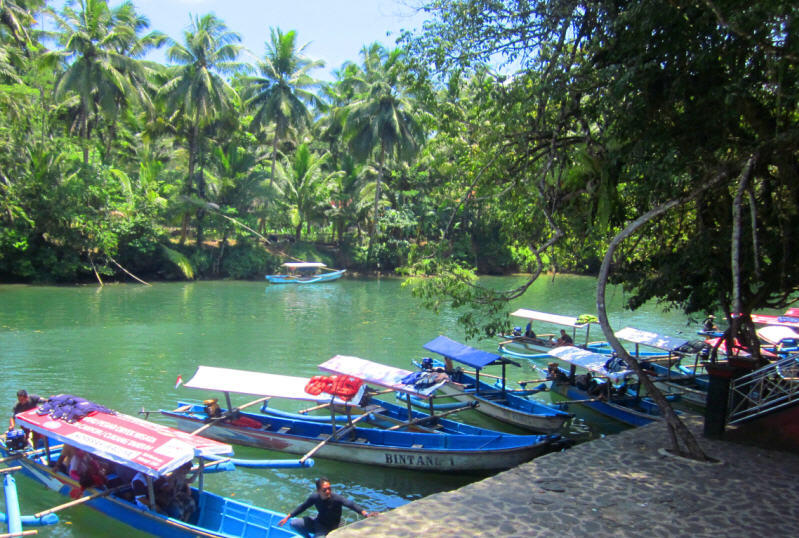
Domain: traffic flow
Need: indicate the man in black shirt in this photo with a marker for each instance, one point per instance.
(25, 402)
(328, 506)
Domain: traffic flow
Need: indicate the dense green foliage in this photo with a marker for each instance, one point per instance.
(421, 159)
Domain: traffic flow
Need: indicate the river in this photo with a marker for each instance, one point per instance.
(124, 346)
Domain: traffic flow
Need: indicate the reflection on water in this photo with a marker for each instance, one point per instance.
(124, 346)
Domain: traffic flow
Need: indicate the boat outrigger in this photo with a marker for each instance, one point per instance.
(498, 403)
(128, 445)
(419, 443)
(305, 273)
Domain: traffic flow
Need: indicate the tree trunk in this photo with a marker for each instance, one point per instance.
(373, 229)
(677, 430)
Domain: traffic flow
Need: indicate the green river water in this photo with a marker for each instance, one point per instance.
(124, 345)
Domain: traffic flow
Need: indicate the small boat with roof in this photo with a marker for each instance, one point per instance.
(608, 386)
(496, 401)
(413, 442)
(119, 465)
(305, 273)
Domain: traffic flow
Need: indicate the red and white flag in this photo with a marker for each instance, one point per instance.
(179, 382)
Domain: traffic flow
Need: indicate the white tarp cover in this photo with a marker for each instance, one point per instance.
(375, 373)
(549, 318)
(303, 265)
(658, 341)
(258, 384)
(593, 362)
(774, 333)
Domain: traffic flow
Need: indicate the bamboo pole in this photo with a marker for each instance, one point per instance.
(333, 437)
(23, 533)
(95, 495)
(228, 414)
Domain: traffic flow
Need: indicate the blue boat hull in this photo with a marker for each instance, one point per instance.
(313, 279)
(625, 410)
(441, 452)
(216, 516)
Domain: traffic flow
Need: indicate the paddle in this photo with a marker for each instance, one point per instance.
(229, 413)
(82, 500)
(335, 436)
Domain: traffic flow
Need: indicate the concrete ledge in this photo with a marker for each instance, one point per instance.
(619, 485)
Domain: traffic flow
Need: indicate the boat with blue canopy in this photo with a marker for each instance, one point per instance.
(608, 387)
(415, 443)
(126, 448)
(305, 273)
(496, 402)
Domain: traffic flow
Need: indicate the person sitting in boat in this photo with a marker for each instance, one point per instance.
(528, 331)
(212, 408)
(328, 506)
(173, 495)
(555, 373)
(87, 470)
(565, 339)
(709, 325)
(25, 402)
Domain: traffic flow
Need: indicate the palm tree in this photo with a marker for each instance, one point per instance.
(17, 17)
(303, 182)
(103, 78)
(196, 89)
(381, 120)
(279, 95)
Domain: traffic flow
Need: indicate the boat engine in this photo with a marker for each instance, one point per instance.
(16, 440)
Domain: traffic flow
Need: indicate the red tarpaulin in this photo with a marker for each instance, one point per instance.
(150, 448)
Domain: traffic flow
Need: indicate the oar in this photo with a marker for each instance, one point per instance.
(10, 469)
(229, 413)
(333, 437)
(82, 500)
(587, 400)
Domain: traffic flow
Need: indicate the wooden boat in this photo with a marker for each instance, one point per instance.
(129, 443)
(499, 403)
(691, 385)
(427, 449)
(614, 396)
(305, 273)
(526, 347)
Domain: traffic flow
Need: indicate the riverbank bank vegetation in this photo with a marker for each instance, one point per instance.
(504, 136)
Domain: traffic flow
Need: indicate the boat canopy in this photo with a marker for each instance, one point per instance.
(374, 373)
(147, 447)
(786, 321)
(303, 265)
(593, 362)
(657, 341)
(462, 353)
(774, 334)
(549, 318)
(259, 384)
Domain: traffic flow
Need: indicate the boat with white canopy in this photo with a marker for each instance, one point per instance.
(685, 382)
(526, 344)
(609, 387)
(305, 273)
(128, 445)
(419, 444)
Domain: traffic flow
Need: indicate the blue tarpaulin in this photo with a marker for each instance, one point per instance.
(460, 352)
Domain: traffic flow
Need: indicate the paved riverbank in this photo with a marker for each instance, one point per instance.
(620, 485)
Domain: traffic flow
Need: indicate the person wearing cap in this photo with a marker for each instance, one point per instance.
(710, 323)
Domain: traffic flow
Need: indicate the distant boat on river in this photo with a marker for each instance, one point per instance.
(305, 273)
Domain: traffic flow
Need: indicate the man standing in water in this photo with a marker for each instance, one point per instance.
(328, 506)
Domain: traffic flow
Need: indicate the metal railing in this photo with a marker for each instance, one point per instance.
(767, 389)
